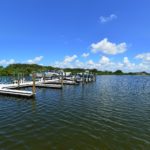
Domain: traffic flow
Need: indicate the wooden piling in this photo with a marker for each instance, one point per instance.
(18, 80)
(61, 79)
(44, 77)
(74, 79)
(33, 87)
(83, 78)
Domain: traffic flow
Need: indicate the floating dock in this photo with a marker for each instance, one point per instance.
(30, 84)
(57, 81)
(53, 86)
(11, 89)
(16, 92)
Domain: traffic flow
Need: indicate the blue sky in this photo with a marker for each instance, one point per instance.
(102, 34)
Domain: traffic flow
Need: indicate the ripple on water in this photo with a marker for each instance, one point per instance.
(111, 113)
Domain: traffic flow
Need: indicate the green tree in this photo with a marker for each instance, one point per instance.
(118, 72)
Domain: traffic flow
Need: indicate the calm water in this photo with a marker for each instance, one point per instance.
(111, 113)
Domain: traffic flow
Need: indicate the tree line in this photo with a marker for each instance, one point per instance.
(30, 68)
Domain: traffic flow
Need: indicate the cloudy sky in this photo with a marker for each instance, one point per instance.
(102, 34)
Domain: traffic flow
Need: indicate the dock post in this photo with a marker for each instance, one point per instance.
(74, 78)
(94, 77)
(89, 77)
(65, 75)
(21, 78)
(33, 88)
(62, 78)
(44, 77)
(83, 78)
(18, 80)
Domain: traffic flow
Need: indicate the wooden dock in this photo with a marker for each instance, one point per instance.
(11, 89)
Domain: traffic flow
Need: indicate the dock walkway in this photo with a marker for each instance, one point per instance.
(11, 89)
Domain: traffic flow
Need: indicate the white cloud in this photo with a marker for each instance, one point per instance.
(105, 63)
(69, 59)
(85, 55)
(104, 19)
(12, 61)
(104, 60)
(35, 60)
(126, 60)
(6, 62)
(90, 62)
(127, 65)
(145, 57)
(108, 47)
(78, 64)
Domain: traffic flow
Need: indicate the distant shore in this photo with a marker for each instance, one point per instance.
(27, 69)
